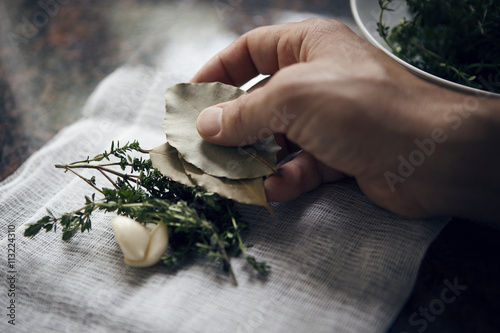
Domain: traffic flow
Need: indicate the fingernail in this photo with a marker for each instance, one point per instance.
(209, 121)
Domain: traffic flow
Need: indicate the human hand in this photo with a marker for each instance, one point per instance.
(354, 112)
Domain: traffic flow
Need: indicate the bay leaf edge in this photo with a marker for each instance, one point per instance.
(167, 160)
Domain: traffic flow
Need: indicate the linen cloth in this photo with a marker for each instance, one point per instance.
(338, 262)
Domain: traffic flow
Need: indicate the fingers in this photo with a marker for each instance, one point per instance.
(300, 175)
(249, 118)
(259, 51)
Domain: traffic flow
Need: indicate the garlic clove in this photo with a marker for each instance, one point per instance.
(132, 237)
(156, 248)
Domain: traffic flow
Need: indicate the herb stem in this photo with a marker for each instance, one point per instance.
(84, 179)
(383, 6)
(108, 178)
(429, 52)
(225, 257)
(237, 232)
(98, 167)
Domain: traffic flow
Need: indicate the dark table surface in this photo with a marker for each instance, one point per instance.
(50, 63)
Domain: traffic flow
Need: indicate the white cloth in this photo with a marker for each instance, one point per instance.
(339, 263)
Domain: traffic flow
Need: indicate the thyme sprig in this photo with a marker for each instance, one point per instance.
(456, 40)
(199, 222)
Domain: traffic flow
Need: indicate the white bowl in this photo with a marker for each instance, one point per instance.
(366, 14)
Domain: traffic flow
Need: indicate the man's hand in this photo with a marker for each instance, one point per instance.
(355, 112)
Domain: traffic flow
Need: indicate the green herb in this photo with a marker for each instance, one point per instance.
(200, 222)
(457, 40)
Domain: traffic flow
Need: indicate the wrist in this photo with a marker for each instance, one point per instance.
(465, 169)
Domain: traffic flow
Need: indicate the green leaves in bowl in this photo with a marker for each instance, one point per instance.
(457, 40)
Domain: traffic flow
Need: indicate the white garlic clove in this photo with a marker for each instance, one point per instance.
(157, 246)
(132, 237)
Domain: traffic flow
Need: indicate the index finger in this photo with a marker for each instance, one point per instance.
(256, 52)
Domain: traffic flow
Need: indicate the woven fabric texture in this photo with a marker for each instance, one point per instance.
(338, 262)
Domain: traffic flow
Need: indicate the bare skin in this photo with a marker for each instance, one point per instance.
(354, 112)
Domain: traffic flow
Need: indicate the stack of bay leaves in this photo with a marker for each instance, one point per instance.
(232, 172)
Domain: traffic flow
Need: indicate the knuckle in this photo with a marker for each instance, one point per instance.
(320, 28)
(234, 122)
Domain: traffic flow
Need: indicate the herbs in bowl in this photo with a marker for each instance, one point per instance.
(457, 40)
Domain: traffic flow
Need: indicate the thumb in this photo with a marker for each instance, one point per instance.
(245, 120)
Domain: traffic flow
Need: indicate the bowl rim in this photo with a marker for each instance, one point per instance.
(356, 10)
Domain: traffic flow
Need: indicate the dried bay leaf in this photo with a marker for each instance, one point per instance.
(232, 172)
(250, 191)
(169, 162)
(165, 158)
(183, 103)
